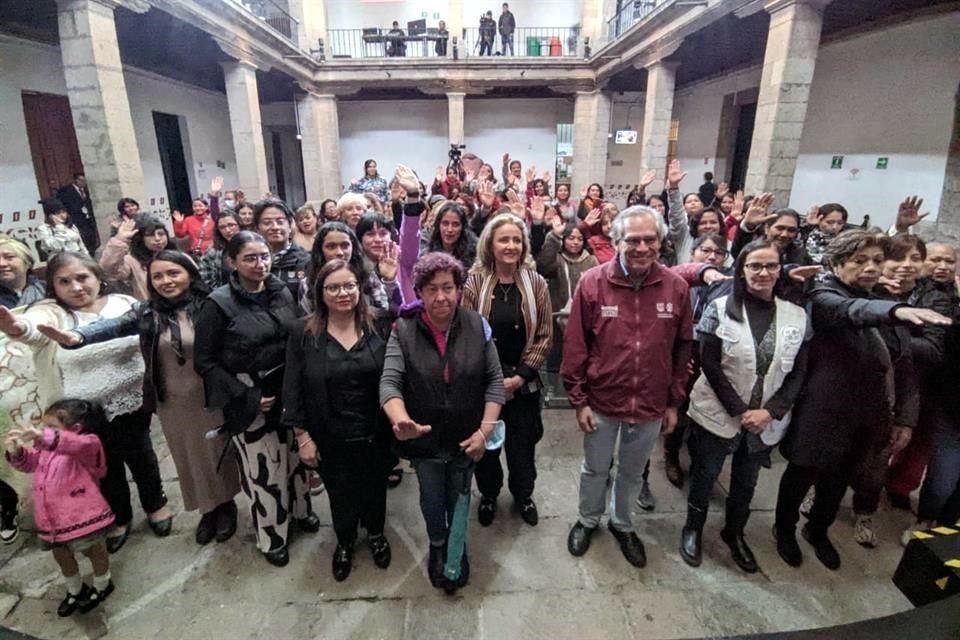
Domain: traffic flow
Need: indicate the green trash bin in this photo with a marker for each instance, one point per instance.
(533, 47)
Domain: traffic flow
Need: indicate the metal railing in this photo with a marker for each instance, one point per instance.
(379, 43)
(630, 13)
(273, 14)
(527, 42)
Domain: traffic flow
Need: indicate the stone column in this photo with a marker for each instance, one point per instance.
(948, 216)
(320, 145)
(243, 102)
(311, 17)
(591, 129)
(657, 116)
(788, 66)
(454, 20)
(99, 104)
(594, 23)
(455, 116)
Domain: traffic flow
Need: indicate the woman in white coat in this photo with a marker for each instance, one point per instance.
(753, 355)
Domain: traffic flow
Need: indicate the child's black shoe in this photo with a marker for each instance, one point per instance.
(94, 598)
(73, 602)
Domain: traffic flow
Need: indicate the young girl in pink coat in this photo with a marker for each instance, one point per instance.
(67, 460)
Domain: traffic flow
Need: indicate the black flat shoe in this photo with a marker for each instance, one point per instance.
(226, 521)
(740, 550)
(94, 598)
(310, 524)
(207, 528)
(380, 550)
(438, 558)
(115, 543)
(822, 547)
(691, 547)
(630, 546)
(342, 562)
(278, 557)
(528, 511)
(788, 547)
(72, 603)
(487, 511)
(578, 541)
(161, 528)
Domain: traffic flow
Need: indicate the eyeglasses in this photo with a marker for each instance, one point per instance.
(633, 243)
(713, 252)
(228, 225)
(756, 267)
(254, 258)
(335, 289)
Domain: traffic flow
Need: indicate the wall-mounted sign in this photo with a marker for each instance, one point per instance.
(626, 136)
(882, 162)
(836, 162)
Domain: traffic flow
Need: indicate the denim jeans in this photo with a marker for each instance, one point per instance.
(636, 443)
(712, 451)
(940, 495)
(506, 42)
(441, 483)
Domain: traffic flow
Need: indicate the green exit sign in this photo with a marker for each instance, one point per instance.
(882, 162)
(836, 162)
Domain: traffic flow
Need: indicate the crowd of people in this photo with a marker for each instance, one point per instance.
(432, 322)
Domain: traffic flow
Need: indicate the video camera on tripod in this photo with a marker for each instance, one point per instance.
(456, 154)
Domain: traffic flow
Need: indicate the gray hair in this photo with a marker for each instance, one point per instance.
(637, 211)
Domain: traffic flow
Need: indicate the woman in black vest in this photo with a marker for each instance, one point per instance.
(442, 389)
(240, 351)
(330, 400)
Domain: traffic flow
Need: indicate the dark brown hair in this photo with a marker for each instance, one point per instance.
(363, 315)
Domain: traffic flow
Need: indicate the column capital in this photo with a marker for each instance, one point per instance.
(658, 55)
(456, 94)
(241, 55)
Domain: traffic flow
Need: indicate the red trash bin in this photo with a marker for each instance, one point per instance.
(556, 49)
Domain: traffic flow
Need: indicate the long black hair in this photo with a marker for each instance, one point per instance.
(734, 307)
(147, 225)
(317, 261)
(218, 240)
(465, 248)
(194, 295)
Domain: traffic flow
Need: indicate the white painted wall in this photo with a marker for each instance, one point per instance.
(359, 14)
(526, 129)
(886, 93)
(412, 132)
(889, 93)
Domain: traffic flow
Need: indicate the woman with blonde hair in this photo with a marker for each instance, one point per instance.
(351, 207)
(504, 288)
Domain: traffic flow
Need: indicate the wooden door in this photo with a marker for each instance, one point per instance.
(53, 141)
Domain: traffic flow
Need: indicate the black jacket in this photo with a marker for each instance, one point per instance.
(306, 401)
(290, 266)
(506, 24)
(845, 404)
(242, 333)
(86, 223)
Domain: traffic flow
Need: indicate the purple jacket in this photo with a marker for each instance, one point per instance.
(67, 503)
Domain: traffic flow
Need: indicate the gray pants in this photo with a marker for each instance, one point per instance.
(636, 443)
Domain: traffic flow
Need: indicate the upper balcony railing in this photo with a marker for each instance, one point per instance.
(630, 13)
(273, 14)
(380, 43)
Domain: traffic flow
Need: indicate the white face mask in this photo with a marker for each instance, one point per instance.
(230, 203)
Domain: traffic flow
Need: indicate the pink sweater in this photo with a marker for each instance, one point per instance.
(67, 503)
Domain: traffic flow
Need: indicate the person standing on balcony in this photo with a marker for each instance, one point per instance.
(488, 31)
(442, 36)
(506, 25)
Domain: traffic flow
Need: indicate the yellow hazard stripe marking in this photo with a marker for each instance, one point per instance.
(920, 535)
(953, 564)
(942, 583)
(944, 531)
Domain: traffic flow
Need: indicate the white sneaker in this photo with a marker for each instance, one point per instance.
(907, 534)
(646, 500)
(863, 532)
(807, 505)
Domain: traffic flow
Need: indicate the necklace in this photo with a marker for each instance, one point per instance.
(504, 289)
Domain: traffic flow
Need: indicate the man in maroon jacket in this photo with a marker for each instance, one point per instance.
(626, 348)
